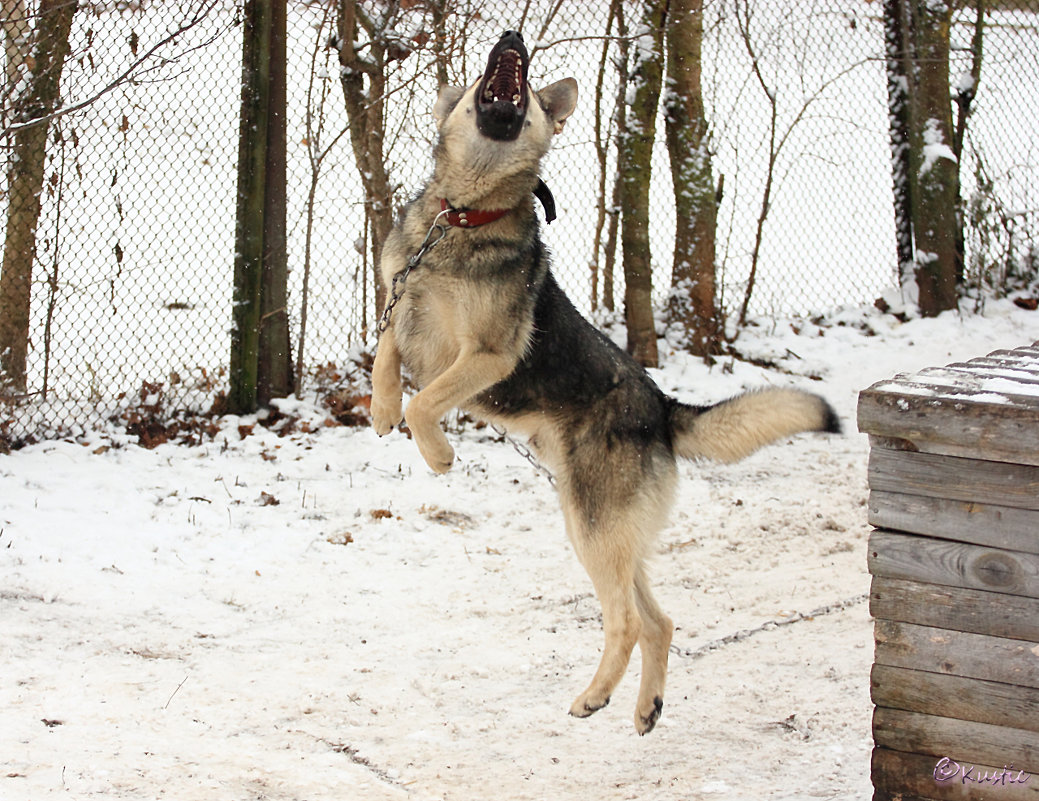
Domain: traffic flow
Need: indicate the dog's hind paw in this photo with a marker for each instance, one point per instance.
(585, 706)
(645, 721)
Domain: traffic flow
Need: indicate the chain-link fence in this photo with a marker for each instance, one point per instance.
(131, 273)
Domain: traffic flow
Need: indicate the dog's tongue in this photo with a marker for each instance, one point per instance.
(501, 102)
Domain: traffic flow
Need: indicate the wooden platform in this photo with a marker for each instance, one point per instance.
(954, 497)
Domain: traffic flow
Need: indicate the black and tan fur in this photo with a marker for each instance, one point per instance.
(484, 326)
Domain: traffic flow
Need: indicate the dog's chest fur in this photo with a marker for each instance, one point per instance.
(473, 290)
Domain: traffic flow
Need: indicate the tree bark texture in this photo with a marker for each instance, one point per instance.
(691, 304)
(25, 184)
(367, 122)
(926, 174)
(620, 123)
(965, 94)
(274, 373)
(260, 357)
(898, 47)
(636, 153)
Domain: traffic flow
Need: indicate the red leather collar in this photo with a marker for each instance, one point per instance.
(470, 218)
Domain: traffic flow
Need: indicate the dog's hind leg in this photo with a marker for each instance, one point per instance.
(609, 554)
(612, 522)
(654, 644)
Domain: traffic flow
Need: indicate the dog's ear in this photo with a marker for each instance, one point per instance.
(559, 101)
(446, 101)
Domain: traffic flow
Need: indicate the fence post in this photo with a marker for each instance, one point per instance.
(274, 379)
(260, 361)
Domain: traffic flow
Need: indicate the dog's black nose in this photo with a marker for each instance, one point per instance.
(511, 34)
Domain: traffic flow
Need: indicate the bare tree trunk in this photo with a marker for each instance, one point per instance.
(620, 123)
(601, 154)
(966, 90)
(896, 33)
(261, 365)
(775, 143)
(636, 155)
(365, 111)
(25, 184)
(274, 378)
(923, 29)
(16, 31)
(440, 12)
(692, 301)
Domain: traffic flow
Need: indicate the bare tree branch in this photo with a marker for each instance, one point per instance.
(776, 140)
(126, 75)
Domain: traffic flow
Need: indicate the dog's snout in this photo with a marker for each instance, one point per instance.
(502, 96)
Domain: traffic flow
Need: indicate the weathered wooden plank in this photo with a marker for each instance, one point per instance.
(955, 697)
(966, 521)
(938, 384)
(892, 554)
(1027, 372)
(956, 653)
(975, 378)
(1027, 351)
(963, 741)
(908, 776)
(1026, 365)
(1012, 616)
(954, 478)
(952, 426)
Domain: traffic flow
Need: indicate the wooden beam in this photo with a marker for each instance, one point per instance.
(956, 653)
(954, 423)
(967, 521)
(1012, 616)
(963, 741)
(954, 564)
(934, 476)
(955, 697)
(906, 776)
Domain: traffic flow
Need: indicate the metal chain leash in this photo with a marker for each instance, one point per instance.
(400, 278)
(525, 452)
(397, 288)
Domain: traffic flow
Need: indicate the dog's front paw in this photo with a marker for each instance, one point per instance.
(431, 441)
(436, 450)
(386, 414)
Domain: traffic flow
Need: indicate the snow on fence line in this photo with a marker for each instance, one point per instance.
(133, 276)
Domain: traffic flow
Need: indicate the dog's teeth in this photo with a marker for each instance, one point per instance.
(515, 100)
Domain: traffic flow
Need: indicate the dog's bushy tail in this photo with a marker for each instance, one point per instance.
(735, 428)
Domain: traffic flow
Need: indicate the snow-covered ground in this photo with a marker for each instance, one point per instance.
(317, 616)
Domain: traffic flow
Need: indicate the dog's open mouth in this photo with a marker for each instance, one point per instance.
(501, 99)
